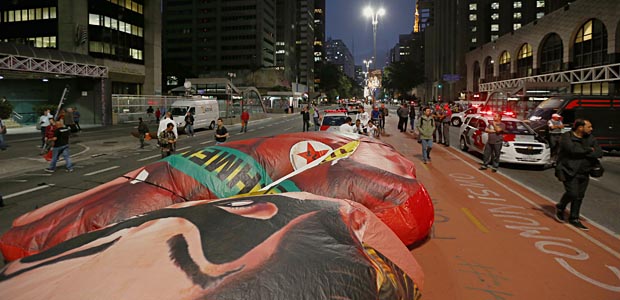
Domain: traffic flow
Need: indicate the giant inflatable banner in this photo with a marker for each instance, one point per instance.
(339, 166)
(287, 246)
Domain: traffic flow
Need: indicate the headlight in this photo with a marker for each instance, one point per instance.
(506, 144)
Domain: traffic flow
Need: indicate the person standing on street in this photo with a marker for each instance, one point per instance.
(316, 117)
(69, 122)
(189, 123)
(149, 113)
(142, 131)
(493, 148)
(2, 133)
(412, 117)
(245, 118)
(426, 126)
(305, 117)
(49, 135)
(403, 114)
(167, 141)
(578, 154)
(61, 147)
(163, 124)
(384, 113)
(221, 133)
(44, 120)
(446, 124)
(555, 132)
(76, 119)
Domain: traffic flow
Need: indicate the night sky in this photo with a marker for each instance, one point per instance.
(345, 21)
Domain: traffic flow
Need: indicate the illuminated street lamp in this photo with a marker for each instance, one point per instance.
(374, 15)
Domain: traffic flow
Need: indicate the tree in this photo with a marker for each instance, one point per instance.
(6, 108)
(334, 83)
(402, 76)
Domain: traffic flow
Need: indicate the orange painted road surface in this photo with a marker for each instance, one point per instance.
(494, 239)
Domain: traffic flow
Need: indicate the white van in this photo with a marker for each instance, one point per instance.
(205, 112)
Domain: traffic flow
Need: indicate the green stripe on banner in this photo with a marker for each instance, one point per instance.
(225, 171)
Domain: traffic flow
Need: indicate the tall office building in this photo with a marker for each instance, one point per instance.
(337, 53)
(319, 40)
(213, 38)
(487, 20)
(305, 44)
(286, 37)
(120, 36)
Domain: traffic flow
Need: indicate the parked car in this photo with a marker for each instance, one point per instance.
(522, 145)
(332, 119)
(458, 118)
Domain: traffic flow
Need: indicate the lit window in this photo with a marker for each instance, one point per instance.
(24, 15)
(11, 16)
(93, 19)
(504, 58)
(517, 16)
(46, 13)
(38, 14)
(494, 27)
(106, 22)
(495, 5)
(585, 33)
(31, 15)
(494, 37)
(473, 6)
(495, 16)
(516, 26)
(52, 12)
(540, 3)
(517, 4)
(526, 51)
(474, 29)
(474, 40)
(540, 15)
(473, 17)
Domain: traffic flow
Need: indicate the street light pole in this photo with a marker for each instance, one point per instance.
(374, 15)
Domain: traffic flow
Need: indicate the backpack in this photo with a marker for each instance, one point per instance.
(422, 122)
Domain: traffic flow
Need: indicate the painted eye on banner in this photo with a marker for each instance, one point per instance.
(306, 152)
(250, 209)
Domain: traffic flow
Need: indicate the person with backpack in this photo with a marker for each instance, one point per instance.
(426, 126)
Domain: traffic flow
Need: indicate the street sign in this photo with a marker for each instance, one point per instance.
(451, 77)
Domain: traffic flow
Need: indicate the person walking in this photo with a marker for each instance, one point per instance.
(76, 119)
(49, 135)
(167, 141)
(189, 123)
(245, 118)
(3, 145)
(157, 115)
(384, 113)
(555, 132)
(221, 133)
(403, 114)
(61, 147)
(493, 148)
(579, 152)
(305, 118)
(143, 129)
(439, 116)
(44, 120)
(425, 126)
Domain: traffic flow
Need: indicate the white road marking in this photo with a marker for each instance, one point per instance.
(180, 149)
(207, 142)
(86, 149)
(150, 157)
(28, 191)
(101, 171)
(240, 133)
(17, 180)
(261, 127)
(41, 174)
(534, 204)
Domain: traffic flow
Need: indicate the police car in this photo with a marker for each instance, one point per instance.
(521, 144)
(332, 119)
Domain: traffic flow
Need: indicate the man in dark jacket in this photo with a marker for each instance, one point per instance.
(403, 115)
(305, 116)
(579, 152)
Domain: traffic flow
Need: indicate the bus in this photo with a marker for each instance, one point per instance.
(520, 102)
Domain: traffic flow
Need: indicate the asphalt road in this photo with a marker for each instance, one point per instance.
(602, 201)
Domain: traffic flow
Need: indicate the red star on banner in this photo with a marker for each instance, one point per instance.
(311, 155)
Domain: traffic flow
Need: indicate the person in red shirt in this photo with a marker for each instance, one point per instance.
(245, 118)
(49, 135)
(157, 114)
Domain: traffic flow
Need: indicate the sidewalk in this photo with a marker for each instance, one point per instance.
(495, 239)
